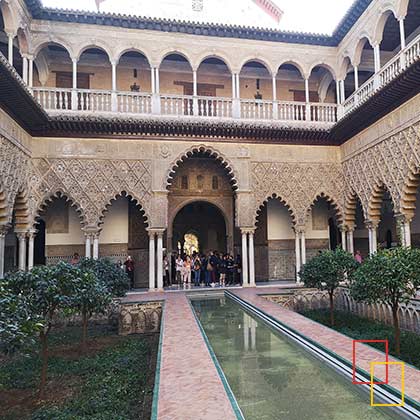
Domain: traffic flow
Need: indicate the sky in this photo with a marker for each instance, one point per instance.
(317, 16)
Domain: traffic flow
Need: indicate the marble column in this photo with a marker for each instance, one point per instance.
(303, 247)
(96, 246)
(377, 57)
(407, 233)
(31, 243)
(297, 253)
(343, 238)
(31, 71)
(25, 68)
(244, 259)
(3, 233)
(402, 33)
(251, 253)
(160, 261)
(373, 240)
(350, 240)
(74, 99)
(356, 78)
(152, 260)
(153, 80)
(22, 251)
(10, 37)
(88, 245)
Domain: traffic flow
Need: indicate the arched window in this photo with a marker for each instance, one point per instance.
(215, 183)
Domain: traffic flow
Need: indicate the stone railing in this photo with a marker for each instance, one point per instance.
(298, 300)
(391, 70)
(135, 103)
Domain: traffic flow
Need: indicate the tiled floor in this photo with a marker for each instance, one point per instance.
(336, 342)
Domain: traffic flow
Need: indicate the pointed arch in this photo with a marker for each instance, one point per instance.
(130, 196)
(350, 207)
(202, 149)
(50, 197)
(334, 204)
(274, 196)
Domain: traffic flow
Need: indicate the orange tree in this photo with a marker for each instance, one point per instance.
(326, 271)
(390, 276)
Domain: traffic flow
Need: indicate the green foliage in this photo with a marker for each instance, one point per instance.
(18, 325)
(391, 276)
(365, 329)
(328, 269)
(109, 274)
(114, 383)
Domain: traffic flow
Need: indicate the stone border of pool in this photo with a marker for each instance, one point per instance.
(228, 389)
(411, 408)
(158, 363)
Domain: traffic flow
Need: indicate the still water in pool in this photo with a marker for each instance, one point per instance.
(275, 378)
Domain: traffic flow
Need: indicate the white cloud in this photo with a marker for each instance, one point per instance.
(319, 16)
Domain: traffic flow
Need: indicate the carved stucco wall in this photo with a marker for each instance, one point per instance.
(386, 156)
(90, 184)
(298, 185)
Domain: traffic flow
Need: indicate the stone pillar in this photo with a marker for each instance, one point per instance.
(31, 71)
(160, 261)
(251, 259)
(337, 91)
(236, 103)
(244, 259)
(377, 57)
(356, 78)
(342, 91)
(297, 253)
(233, 86)
(87, 246)
(343, 238)
(153, 81)
(25, 68)
(307, 106)
(275, 103)
(195, 91)
(274, 88)
(31, 243)
(303, 247)
(152, 260)
(238, 91)
(407, 233)
(114, 75)
(157, 81)
(74, 100)
(3, 233)
(350, 240)
(10, 37)
(95, 246)
(22, 250)
(373, 240)
(402, 33)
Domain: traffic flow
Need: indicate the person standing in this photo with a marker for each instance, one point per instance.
(197, 270)
(209, 270)
(167, 280)
(179, 264)
(358, 257)
(238, 264)
(186, 272)
(129, 269)
(223, 270)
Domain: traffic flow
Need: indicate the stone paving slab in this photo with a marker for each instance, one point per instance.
(333, 340)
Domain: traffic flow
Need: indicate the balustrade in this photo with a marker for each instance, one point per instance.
(134, 103)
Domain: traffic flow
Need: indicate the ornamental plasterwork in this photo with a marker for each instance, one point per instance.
(90, 184)
(387, 164)
(298, 185)
(13, 173)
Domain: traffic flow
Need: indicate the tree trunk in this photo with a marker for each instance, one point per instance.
(44, 356)
(331, 308)
(84, 331)
(397, 332)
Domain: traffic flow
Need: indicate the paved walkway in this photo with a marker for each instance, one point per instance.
(190, 387)
(333, 340)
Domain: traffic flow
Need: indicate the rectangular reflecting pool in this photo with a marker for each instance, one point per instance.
(272, 377)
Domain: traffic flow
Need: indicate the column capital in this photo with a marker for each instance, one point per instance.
(299, 229)
(4, 229)
(246, 230)
(21, 235)
(371, 224)
(156, 231)
(343, 228)
(403, 218)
